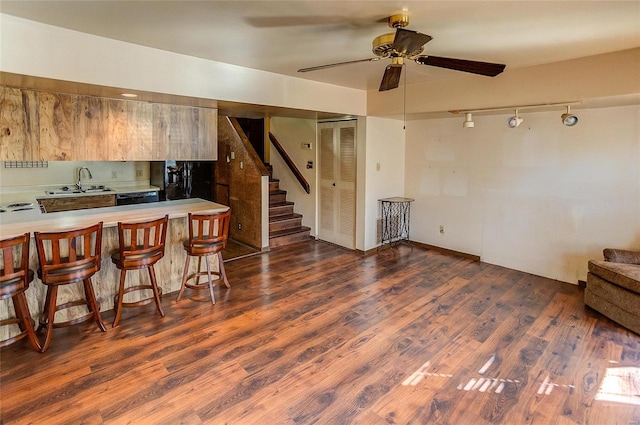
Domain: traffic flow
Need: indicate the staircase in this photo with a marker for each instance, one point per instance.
(285, 226)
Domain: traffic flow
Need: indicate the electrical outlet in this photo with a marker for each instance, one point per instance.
(114, 174)
(239, 226)
(441, 229)
(138, 173)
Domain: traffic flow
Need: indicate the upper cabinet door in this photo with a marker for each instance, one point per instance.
(129, 127)
(57, 141)
(208, 134)
(92, 132)
(18, 125)
(184, 132)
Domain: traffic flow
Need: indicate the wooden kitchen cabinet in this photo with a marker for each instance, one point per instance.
(47, 126)
(70, 203)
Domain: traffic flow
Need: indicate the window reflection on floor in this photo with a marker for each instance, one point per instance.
(620, 385)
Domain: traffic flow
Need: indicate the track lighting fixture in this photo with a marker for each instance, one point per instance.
(569, 119)
(468, 121)
(514, 121)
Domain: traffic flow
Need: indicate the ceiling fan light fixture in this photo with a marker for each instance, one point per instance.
(569, 119)
(514, 121)
(468, 121)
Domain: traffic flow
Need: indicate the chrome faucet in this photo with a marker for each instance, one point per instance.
(79, 182)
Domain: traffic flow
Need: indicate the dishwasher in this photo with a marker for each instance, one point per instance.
(137, 197)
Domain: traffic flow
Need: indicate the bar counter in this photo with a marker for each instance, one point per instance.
(168, 270)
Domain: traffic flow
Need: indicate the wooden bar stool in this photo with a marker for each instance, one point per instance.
(141, 245)
(207, 236)
(14, 281)
(65, 258)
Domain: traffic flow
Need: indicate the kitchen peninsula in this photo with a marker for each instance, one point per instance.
(105, 282)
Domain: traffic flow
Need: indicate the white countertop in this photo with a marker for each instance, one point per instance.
(32, 194)
(17, 223)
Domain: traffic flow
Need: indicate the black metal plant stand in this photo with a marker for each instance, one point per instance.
(395, 214)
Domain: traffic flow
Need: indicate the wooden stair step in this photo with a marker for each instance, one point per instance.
(280, 208)
(289, 236)
(277, 196)
(283, 211)
(282, 222)
(274, 185)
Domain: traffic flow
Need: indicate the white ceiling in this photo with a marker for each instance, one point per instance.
(283, 36)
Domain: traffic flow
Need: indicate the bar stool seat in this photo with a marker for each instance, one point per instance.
(14, 281)
(208, 235)
(141, 246)
(66, 258)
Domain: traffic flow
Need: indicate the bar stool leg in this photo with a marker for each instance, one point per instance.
(206, 260)
(22, 312)
(49, 314)
(154, 288)
(184, 278)
(198, 271)
(222, 270)
(45, 311)
(118, 302)
(92, 303)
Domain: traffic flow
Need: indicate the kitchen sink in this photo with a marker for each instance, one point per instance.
(67, 190)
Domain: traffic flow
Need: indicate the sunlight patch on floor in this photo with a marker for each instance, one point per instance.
(620, 385)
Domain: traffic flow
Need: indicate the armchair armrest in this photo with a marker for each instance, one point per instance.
(621, 256)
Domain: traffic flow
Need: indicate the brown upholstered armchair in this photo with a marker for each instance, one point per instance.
(613, 287)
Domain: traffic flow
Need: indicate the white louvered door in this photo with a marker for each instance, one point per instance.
(337, 165)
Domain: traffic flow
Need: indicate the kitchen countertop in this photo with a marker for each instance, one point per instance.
(32, 194)
(17, 223)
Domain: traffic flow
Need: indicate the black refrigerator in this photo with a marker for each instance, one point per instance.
(183, 179)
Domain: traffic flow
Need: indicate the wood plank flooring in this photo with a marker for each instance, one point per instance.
(314, 334)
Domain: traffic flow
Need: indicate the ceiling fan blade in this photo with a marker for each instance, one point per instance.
(391, 77)
(475, 67)
(331, 65)
(407, 41)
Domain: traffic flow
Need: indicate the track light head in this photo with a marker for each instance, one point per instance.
(468, 121)
(569, 119)
(514, 121)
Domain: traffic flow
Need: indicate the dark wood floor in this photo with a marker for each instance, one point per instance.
(311, 333)
(235, 250)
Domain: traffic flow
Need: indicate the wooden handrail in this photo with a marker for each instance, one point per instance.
(296, 172)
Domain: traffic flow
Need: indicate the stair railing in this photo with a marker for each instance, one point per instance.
(292, 166)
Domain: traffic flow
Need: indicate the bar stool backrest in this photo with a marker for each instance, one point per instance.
(142, 243)
(71, 256)
(14, 256)
(208, 232)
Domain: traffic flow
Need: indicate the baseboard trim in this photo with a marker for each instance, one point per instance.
(447, 251)
(426, 246)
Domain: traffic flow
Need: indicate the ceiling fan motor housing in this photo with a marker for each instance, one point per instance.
(383, 47)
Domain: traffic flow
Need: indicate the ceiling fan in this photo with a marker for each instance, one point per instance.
(407, 44)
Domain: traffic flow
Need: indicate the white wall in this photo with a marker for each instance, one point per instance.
(385, 145)
(62, 173)
(52, 52)
(542, 198)
(291, 133)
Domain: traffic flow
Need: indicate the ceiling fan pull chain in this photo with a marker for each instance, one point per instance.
(404, 101)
